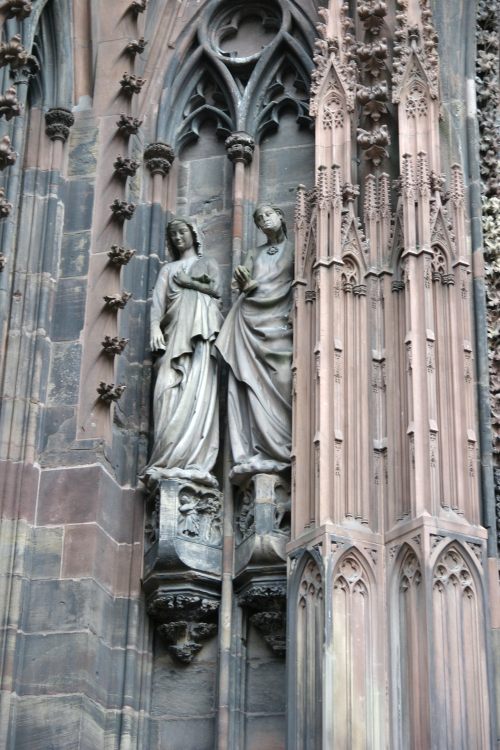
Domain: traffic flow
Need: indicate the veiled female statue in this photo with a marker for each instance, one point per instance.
(256, 343)
(185, 320)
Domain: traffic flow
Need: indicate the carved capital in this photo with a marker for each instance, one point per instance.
(159, 158)
(58, 122)
(184, 620)
(240, 147)
(5, 206)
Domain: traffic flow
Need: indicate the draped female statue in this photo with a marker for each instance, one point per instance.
(185, 319)
(256, 342)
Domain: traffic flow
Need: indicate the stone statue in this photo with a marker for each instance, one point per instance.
(185, 319)
(256, 343)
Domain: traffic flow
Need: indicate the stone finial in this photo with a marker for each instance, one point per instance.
(136, 46)
(7, 154)
(114, 345)
(240, 147)
(125, 167)
(372, 14)
(58, 121)
(128, 125)
(131, 84)
(116, 301)
(10, 106)
(109, 392)
(17, 8)
(122, 210)
(5, 206)
(159, 158)
(138, 6)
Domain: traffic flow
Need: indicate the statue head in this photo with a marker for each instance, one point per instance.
(173, 250)
(264, 210)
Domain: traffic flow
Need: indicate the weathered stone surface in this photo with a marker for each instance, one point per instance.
(65, 373)
(69, 310)
(79, 204)
(75, 251)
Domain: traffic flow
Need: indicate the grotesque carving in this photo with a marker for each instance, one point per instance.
(116, 301)
(131, 84)
(184, 620)
(125, 167)
(185, 319)
(7, 154)
(58, 123)
(128, 125)
(267, 605)
(114, 345)
(122, 210)
(120, 256)
(109, 392)
(159, 158)
(136, 46)
(256, 342)
(10, 106)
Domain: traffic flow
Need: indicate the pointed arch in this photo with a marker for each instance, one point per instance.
(408, 649)
(354, 645)
(305, 664)
(459, 674)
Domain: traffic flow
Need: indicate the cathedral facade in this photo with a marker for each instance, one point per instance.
(249, 293)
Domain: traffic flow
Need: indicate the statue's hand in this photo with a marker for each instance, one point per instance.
(242, 276)
(183, 279)
(157, 338)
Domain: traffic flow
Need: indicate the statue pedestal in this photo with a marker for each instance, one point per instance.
(262, 530)
(183, 563)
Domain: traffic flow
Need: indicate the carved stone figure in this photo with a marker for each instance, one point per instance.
(185, 319)
(256, 342)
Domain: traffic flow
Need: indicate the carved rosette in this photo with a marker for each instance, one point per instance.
(184, 620)
(159, 158)
(58, 121)
(266, 604)
(240, 147)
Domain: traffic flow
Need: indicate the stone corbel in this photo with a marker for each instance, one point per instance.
(10, 106)
(122, 210)
(125, 167)
(109, 392)
(266, 603)
(120, 256)
(7, 154)
(183, 562)
(184, 619)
